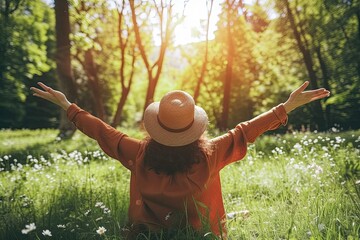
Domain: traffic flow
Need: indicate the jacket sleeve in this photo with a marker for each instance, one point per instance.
(232, 146)
(109, 139)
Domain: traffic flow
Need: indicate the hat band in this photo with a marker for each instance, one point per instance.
(175, 130)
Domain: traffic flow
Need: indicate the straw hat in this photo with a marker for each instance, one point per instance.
(175, 120)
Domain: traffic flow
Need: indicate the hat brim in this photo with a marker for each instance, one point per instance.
(173, 139)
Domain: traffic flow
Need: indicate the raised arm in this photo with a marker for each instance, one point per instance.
(114, 143)
(232, 146)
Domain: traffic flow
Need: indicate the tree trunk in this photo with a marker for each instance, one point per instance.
(228, 73)
(63, 63)
(204, 65)
(120, 107)
(317, 111)
(91, 72)
(165, 38)
(124, 45)
(326, 84)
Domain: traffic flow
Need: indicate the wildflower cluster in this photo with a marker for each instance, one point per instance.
(36, 164)
(102, 206)
(297, 179)
(32, 227)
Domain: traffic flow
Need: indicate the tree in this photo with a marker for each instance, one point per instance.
(24, 29)
(318, 115)
(200, 80)
(237, 62)
(86, 46)
(163, 12)
(326, 34)
(126, 44)
(63, 62)
(340, 51)
(229, 63)
(9, 90)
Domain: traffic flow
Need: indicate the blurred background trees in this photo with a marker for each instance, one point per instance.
(122, 55)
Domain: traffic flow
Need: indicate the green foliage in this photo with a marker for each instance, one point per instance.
(296, 186)
(24, 48)
(331, 35)
(267, 62)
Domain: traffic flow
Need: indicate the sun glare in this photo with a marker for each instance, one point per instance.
(192, 28)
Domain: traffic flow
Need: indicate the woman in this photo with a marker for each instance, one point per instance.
(175, 171)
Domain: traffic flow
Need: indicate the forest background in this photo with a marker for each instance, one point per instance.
(113, 58)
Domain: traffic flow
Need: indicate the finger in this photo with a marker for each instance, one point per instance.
(37, 95)
(302, 87)
(40, 96)
(316, 92)
(43, 97)
(320, 96)
(45, 87)
(38, 91)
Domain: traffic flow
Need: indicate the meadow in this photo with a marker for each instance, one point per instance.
(293, 186)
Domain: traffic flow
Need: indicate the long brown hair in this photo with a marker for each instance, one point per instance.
(170, 160)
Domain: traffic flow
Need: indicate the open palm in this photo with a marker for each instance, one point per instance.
(51, 95)
(300, 97)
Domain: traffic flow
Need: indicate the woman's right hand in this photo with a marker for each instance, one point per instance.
(301, 97)
(51, 95)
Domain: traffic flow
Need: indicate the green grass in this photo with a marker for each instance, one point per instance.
(296, 186)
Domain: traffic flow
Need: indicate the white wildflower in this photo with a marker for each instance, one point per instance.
(28, 228)
(61, 226)
(46, 233)
(334, 129)
(101, 230)
(298, 147)
(325, 149)
(339, 139)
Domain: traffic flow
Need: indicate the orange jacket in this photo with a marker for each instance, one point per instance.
(156, 199)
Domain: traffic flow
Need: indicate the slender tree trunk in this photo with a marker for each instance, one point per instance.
(124, 33)
(119, 109)
(228, 73)
(95, 86)
(326, 77)
(317, 111)
(205, 62)
(153, 80)
(165, 34)
(63, 62)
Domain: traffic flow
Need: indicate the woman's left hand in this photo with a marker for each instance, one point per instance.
(51, 95)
